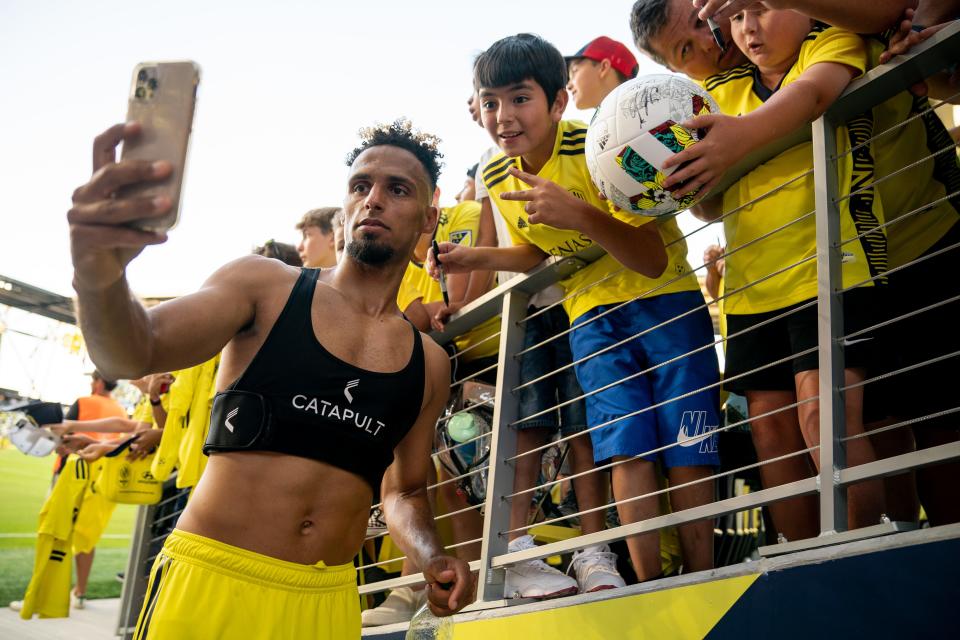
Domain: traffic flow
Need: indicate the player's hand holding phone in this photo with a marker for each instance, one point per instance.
(130, 204)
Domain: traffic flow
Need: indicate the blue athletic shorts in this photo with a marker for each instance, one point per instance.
(557, 388)
(685, 424)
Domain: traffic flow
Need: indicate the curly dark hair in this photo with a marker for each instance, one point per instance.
(400, 133)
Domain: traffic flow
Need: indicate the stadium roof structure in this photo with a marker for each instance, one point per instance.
(25, 296)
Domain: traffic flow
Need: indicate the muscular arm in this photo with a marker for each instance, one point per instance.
(124, 339)
(404, 491)
(128, 341)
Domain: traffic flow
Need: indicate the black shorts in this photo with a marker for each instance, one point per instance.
(921, 337)
(794, 333)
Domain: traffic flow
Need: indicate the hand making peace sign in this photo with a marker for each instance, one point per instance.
(547, 202)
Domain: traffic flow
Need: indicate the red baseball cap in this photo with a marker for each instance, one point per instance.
(604, 48)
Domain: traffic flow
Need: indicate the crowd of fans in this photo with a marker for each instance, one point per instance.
(619, 344)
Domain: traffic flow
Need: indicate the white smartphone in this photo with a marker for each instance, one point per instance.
(163, 97)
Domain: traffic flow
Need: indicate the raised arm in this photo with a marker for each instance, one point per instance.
(405, 504)
(862, 17)
(123, 338)
(731, 138)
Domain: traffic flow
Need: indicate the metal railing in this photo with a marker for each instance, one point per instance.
(510, 302)
(830, 484)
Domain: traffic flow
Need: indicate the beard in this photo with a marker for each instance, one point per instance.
(369, 252)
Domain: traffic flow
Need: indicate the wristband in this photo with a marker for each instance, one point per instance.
(155, 403)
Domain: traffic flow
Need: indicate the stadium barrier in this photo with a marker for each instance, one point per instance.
(739, 526)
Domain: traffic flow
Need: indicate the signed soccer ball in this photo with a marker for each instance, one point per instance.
(635, 129)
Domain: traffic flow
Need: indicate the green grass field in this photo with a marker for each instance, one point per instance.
(24, 482)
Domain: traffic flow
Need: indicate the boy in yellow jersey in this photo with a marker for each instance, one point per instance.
(544, 192)
(796, 70)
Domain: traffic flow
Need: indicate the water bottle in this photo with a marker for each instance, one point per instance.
(426, 626)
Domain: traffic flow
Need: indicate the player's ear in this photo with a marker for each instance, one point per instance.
(559, 105)
(430, 219)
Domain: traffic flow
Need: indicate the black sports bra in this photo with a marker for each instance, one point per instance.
(297, 398)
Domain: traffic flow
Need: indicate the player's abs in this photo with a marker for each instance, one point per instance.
(286, 507)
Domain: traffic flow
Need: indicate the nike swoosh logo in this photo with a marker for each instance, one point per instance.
(847, 342)
(685, 440)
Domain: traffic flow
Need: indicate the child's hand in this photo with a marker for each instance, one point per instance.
(454, 258)
(707, 160)
(148, 439)
(93, 452)
(547, 202)
(442, 316)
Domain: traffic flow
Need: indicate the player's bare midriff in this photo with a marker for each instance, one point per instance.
(282, 506)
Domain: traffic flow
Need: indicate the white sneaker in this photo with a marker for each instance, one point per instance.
(596, 569)
(16, 605)
(376, 524)
(399, 606)
(77, 602)
(535, 578)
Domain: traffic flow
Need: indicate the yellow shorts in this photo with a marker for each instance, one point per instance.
(202, 588)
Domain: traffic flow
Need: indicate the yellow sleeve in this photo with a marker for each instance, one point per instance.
(462, 224)
(408, 290)
(143, 411)
(835, 45)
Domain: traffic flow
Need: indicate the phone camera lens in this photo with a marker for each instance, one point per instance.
(152, 83)
(141, 75)
(139, 93)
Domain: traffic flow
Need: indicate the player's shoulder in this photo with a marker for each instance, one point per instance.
(253, 271)
(436, 362)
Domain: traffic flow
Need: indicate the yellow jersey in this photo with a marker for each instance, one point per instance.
(178, 416)
(917, 186)
(48, 593)
(739, 91)
(605, 281)
(461, 225)
(192, 460)
(143, 412)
